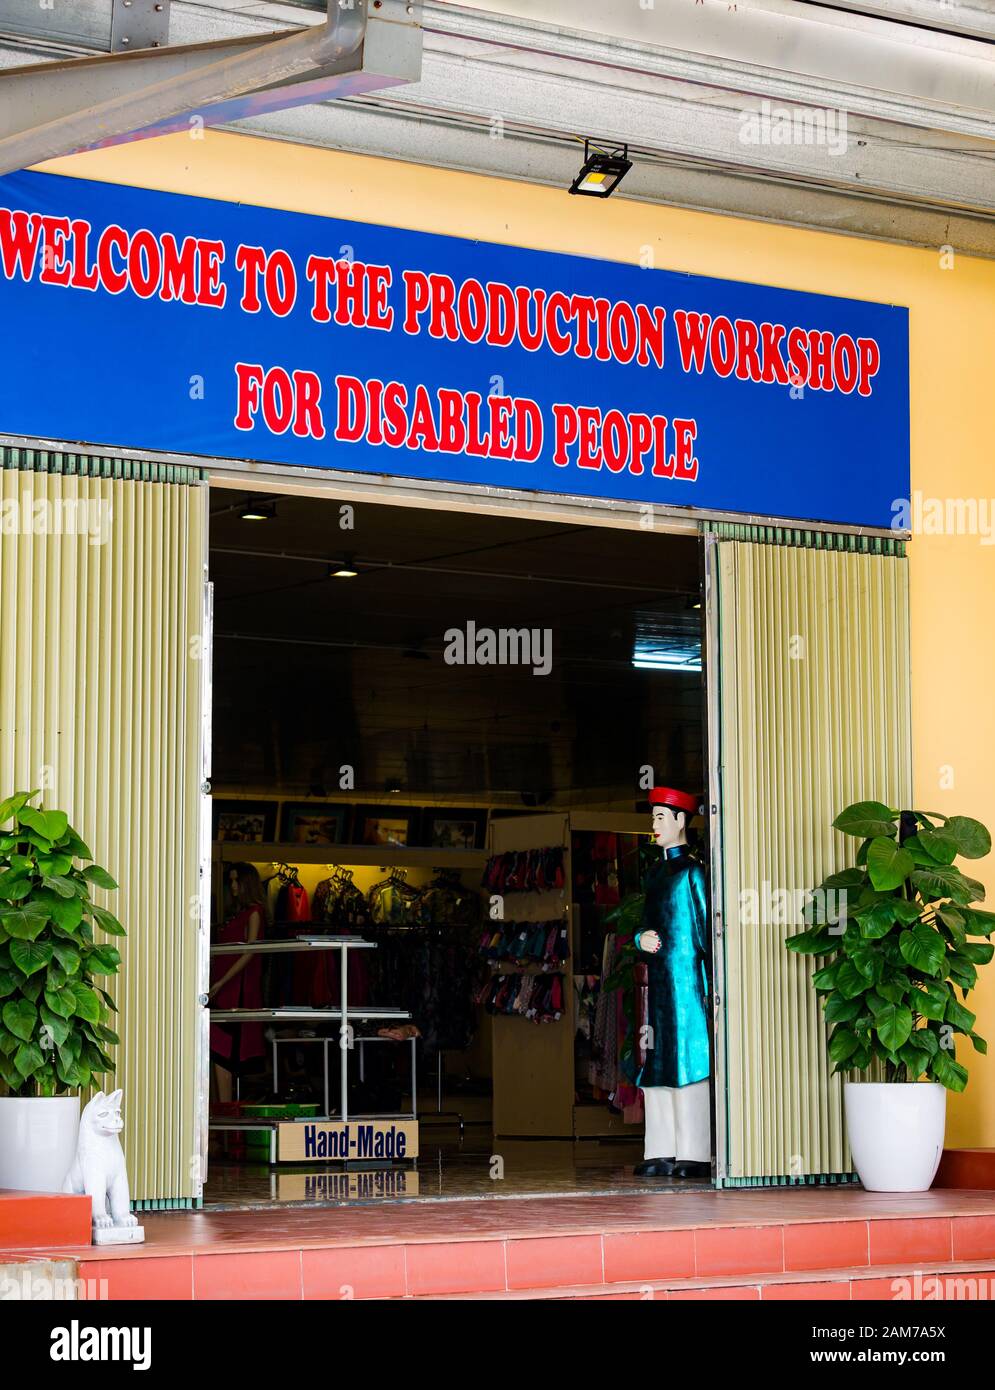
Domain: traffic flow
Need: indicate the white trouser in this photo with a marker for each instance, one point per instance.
(678, 1124)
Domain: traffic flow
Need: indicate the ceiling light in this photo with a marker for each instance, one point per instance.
(601, 172)
(258, 511)
(343, 569)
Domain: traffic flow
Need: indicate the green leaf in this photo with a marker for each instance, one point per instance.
(103, 960)
(30, 956)
(14, 804)
(878, 920)
(73, 845)
(948, 1072)
(888, 864)
(52, 825)
(814, 942)
(76, 1074)
(977, 921)
(54, 863)
(869, 961)
(946, 881)
(865, 818)
(923, 948)
(905, 911)
(924, 1041)
(99, 877)
(892, 1025)
(970, 836)
(979, 1043)
(19, 1017)
(962, 973)
(9, 982)
(931, 1001)
(850, 982)
(847, 878)
(58, 1028)
(58, 883)
(978, 952)
(941, 848)
(28, 1058)
(892, 990)
(15, 885)
(842, 1044)
(962, 1019)
(87, 1003)
(61, 1001)
(840, 1010)
(67, 955)
(24, 923)
(915, 1060)
(107, 921)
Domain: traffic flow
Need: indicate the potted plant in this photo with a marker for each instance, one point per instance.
(53, 1014)
(894, 932)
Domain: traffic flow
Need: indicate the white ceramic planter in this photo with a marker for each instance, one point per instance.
(37, 1141)
(896, 1132)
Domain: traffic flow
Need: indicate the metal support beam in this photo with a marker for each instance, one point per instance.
(59, 108)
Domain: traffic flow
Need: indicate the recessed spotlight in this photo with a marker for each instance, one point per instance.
(258, 511)
(601, 172)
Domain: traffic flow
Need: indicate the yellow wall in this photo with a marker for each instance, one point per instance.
(951, 322)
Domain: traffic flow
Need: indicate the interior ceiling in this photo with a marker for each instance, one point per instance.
(314, 672)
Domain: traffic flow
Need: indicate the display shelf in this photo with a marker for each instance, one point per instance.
(290, 1015)
(378, 856)
(305, 942)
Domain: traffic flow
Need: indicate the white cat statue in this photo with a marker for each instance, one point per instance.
(98, 1171)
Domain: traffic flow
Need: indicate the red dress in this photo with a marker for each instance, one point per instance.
(234, 1044)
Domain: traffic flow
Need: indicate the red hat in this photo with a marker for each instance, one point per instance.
(677, 801)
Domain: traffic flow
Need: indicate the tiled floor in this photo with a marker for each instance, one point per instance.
(743, 1244)
(897, 1224)
(479, 1168)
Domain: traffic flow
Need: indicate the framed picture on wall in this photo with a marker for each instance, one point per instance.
(385, 825)
(244, 822)
(453, 827)
(310, 823)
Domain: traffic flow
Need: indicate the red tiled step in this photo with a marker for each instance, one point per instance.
(974, 1280)
(418, 1265)
(969, 1168)
(42, 1220)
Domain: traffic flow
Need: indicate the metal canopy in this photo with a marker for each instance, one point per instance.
(59, 107)
(511, 87)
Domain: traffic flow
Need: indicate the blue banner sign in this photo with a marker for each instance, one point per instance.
(154, 321)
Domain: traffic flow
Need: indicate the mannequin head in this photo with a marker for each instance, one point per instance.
(670, 811)
(669, 827)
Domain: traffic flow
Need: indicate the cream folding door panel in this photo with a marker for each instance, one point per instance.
(809, 688)
(101, 696)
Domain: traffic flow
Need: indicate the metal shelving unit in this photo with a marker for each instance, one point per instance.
(344, 1015)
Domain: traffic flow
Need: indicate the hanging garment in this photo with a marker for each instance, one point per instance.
(677, 911)
(235, 1044)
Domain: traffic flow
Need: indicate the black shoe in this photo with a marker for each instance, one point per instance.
(686, 1168)
(654, 1168)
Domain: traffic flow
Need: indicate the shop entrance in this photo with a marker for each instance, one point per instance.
(433, 732)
